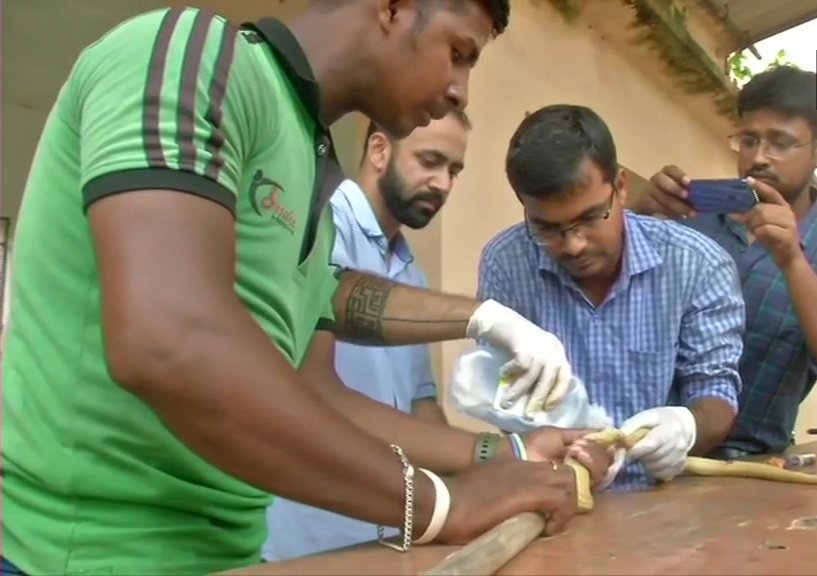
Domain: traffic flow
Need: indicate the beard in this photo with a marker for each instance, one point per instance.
(408, 210)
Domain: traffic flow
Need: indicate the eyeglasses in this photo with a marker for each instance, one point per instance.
(777, 147)
(550, 235)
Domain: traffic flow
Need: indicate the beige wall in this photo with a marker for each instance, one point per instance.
(540, 60)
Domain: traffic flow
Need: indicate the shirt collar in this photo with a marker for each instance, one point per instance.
(366, 219)
(292, 58)
(639, 254)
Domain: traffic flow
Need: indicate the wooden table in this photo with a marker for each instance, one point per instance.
(718, 526)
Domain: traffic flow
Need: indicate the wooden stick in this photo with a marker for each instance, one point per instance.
(485, 555)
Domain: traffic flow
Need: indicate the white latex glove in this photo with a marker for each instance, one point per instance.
(539, 367)
(663, 450)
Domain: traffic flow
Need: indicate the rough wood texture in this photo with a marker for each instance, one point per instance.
(714, 526)
(482, 556)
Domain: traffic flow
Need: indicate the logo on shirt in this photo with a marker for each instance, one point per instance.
(265, 198)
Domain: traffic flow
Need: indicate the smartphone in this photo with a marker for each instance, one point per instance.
(722, 196)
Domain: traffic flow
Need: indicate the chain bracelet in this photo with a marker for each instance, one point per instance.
(408, 518)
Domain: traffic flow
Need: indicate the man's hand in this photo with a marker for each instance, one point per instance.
(773, 223)
(550, 444)
(489, 493)
(667, 195)
(663, 451)
(596, 458)
(539, 366)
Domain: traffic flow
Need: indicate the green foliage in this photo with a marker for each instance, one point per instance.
(739, 71)
(569, 9)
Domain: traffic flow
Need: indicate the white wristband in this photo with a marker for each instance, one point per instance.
(442, 504)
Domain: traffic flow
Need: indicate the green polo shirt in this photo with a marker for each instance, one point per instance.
(179, 99)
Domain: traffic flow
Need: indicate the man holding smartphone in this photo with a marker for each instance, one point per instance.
(775, 248)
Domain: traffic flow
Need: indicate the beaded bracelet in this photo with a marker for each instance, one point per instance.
(408, 517)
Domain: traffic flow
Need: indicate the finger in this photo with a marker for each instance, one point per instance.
(771, 231)
(521, 379)
(676, 175)
(561, 508)
(564, 377)
(541, 389)
(670, 204)
(780, 216)
(663, 452)
(593, 465)
(642, 420)
(766, 193)
(667, 471)
(579, 452)
(645, 448)
(571, 436)
(670, 191)
(618, 460)
(579, 444)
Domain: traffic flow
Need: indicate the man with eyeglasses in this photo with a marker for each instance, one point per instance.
(775, 248)
(650, 312)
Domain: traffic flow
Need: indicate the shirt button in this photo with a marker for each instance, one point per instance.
(323, 147)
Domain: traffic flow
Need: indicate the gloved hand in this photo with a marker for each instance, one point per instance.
(538, 368)
(664, 449)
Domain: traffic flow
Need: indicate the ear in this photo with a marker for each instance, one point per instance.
(378, 151)
(622, 185)
(388, 12)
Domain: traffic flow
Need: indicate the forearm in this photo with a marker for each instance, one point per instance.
(436, 446)
(714, 419)
(374, 310)
(230, 395)
(429, 410)
(802, 281)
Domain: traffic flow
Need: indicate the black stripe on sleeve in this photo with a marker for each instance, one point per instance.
(188, 90)
(159, 175)
(152, 106)
(218, 90)
(157, 179)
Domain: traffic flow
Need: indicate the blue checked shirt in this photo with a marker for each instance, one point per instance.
(669, 332)
(394, 375)
(776, 367)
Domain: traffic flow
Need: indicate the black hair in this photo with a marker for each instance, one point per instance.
(783, 89)
(498, 10)
(373, 127)
(546, 151)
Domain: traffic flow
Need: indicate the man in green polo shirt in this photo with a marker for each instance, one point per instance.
(172, 268)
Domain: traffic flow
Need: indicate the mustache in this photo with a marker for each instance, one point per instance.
(430, 196)
(567, 260)
(762, 175)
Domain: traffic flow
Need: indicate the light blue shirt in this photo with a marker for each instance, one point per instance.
(668, 333)
(396, 375)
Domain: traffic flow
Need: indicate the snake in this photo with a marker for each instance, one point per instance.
(484, 555)
(693, 466)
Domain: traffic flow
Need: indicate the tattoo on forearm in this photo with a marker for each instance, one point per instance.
(365, 307)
